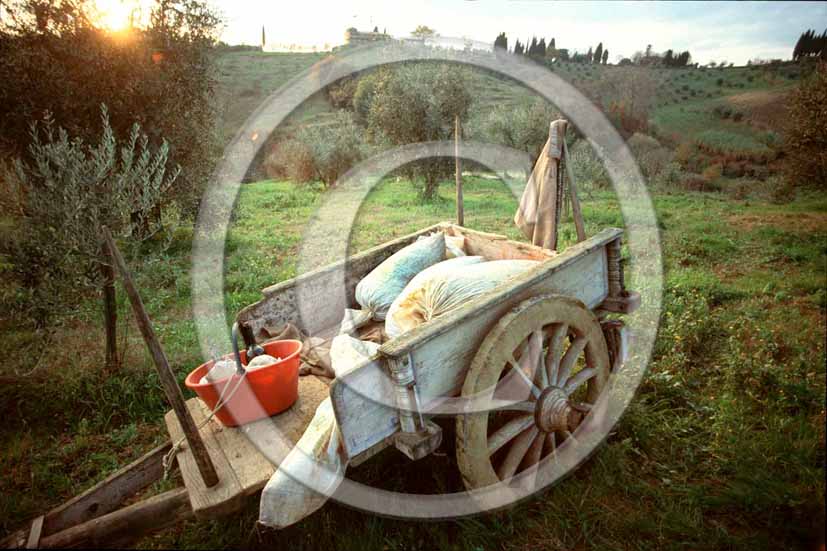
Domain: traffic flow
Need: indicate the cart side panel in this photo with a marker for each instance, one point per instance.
(364, 422)
(443, 350)
(322, 286)
(440, 364)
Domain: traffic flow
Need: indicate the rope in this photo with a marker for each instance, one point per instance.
(170, 455)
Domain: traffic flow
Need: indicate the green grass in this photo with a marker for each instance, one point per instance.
(722, 448)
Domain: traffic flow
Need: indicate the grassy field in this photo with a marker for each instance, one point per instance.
(723, 447)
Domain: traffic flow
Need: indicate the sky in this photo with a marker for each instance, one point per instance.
(711, 31)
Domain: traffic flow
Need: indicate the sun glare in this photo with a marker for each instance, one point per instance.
(115, 15)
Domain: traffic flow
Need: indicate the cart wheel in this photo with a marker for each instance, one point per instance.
(547, 360)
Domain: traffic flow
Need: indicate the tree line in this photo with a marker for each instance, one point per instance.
(542, 50)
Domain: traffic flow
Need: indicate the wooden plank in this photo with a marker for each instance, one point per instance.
(108, 494)
(132, 522)
(250, 448)
(168, 381)
(221, 498)
(34, 533)
(280, 302)
(360, 401)
(498, 247)
(104, 497)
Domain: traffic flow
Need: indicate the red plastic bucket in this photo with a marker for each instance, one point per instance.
(265, 392)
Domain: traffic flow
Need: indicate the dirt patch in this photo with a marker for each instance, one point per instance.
(795, 222)
(763, 109)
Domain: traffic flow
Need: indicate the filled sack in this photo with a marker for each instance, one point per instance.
(347, 352)
(440, 270)
(377, 290)
(315, 458)
(449, 289)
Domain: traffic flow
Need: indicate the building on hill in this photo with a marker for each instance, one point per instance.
(354, 37)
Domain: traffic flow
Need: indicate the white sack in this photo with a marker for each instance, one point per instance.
(377, 290)
(347, 352)
(452, 289)
(261, 361)
(353, 320)
(454, 244)
(441, 270)
(222, 369)
(315, 459)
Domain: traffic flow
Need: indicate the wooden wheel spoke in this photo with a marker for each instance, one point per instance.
(525, 406)
(551, 443)
(578, 379)
(570, 436)
(516, 453)
(555, 349)
(570, 358)
(535, 452)
(515, 367)
(508, 432)
(540, 373)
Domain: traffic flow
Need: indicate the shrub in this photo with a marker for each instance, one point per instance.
(806, 132)
(320, 152)
(70, 190)
(588, 167)
(737, 116)
(690, 181)
(719, 82)
(712, 173)
(523, 127)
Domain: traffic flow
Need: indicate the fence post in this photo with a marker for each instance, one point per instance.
(458, 173)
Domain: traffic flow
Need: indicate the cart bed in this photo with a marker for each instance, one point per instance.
(242, 468)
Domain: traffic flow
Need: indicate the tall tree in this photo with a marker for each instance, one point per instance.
(541, 48)
(589, 55)
(519, 49)
(532, 48)
(598, 53)
(263, 38)
(668, 58)
(605, 57)
(501, 42)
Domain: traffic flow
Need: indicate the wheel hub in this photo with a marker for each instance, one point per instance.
(553, 411)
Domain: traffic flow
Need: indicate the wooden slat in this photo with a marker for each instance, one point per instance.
(104, 497)
(121, 526)
(34, 533)
(225, 496)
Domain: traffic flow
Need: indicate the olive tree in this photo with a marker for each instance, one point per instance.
(68, 190)
(416, 103)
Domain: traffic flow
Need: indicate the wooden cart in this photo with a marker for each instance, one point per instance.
(543, 329)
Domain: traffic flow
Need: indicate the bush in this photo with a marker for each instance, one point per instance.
(588, 167)
(69, 191)
(712, 173)
(806, 132)
(321, 152)
(690, 181)
(524, 127)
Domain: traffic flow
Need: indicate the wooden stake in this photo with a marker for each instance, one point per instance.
(458, 174)
(171, 388)
(577, 215)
